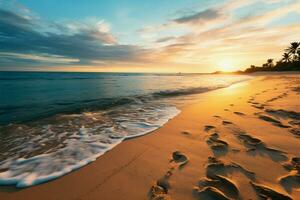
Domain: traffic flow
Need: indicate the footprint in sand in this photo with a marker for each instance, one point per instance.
(273, 99)
(216, 166)
(292, 180)
(159, 191)
(292, 115)
(219, 147)
(239, 113)
(217, 116)
(185, 132)
(268, 193)
(277, 97)
(251, 100)
(207, 128)
(256, 146)
(179, 159)
(275, 122)
(258, 106)
(221, 183)
(209, 193)
(216, 185)
(284, 113)
(226, 122)
(255, 104)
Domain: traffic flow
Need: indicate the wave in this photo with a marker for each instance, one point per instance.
(44, 149)
(186, 91)
(49, 149)
(73, 107)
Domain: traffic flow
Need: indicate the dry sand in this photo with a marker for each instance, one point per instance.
(242, 142)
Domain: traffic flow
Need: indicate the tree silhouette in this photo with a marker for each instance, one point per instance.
(290, 61)
(286, 58)
(270, 62)
(293, 49)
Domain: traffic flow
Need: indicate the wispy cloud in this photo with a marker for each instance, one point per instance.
(165, 39)
(246, 40)
(199, 17)
(196, 40)
(74, 43)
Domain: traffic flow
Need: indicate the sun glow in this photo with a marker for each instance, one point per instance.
(226, 65)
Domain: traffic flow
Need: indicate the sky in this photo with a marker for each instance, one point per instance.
(187, 36)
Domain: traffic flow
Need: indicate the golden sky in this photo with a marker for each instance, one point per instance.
(162, 36)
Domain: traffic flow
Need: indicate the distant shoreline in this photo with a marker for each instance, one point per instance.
(258, 73)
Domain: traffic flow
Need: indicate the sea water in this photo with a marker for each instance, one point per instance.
(52, 123)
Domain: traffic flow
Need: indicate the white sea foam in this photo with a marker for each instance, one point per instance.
(45, 149)
(76, 141)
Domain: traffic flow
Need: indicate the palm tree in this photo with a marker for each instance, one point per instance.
(270, 62)
(286, 58)
(292, 49)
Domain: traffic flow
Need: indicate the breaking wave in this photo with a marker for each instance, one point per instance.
(56, 142)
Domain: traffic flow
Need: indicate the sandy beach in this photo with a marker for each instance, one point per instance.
(240, 142)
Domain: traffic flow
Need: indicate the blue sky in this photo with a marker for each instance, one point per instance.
(124, 16)
(144, 36)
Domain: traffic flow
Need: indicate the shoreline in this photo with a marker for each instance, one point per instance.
(130, 169)
(93, 138)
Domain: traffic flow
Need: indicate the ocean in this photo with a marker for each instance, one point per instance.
(52, 123)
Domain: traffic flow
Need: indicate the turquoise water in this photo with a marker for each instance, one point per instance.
(53, 123)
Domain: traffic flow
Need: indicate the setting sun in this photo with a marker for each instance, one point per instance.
(226, 65)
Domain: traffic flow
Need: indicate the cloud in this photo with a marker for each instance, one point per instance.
(208, 18)
(75, 43)
(165, 39)
(198, 39)
(8, 17)
(247, 40)
(199, 17)
(42, 58)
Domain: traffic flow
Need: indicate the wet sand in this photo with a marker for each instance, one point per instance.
(240, 142)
